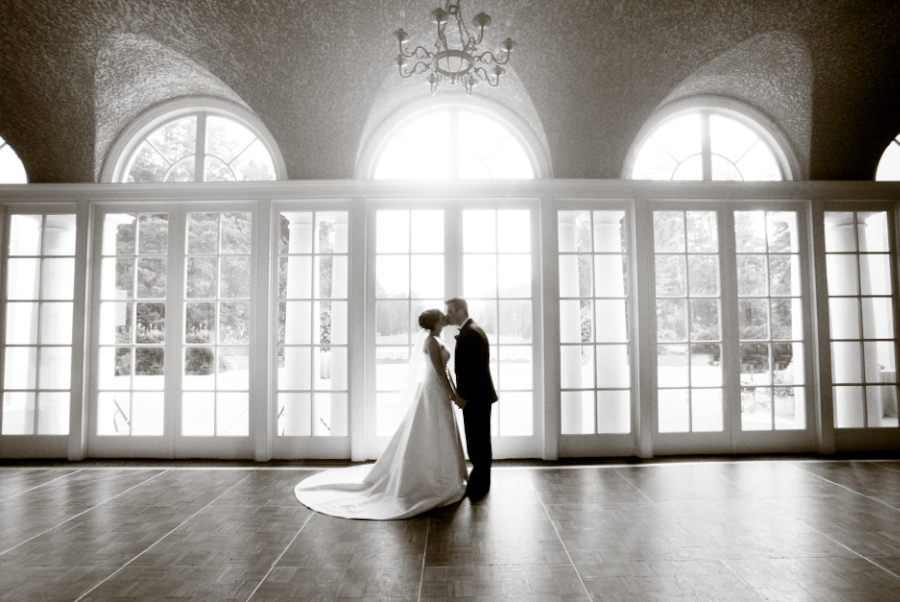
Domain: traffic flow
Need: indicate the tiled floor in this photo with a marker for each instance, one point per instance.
(785, 530)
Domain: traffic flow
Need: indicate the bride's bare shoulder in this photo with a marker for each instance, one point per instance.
(431, 344)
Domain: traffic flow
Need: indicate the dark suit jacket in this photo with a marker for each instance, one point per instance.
(472, 365)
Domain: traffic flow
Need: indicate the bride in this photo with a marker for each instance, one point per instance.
(423, 466)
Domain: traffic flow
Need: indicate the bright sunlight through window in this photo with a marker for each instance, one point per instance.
(889, 165)
(453, 143)
(11, 169)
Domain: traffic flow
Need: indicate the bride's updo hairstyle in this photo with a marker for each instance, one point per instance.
(429, 317)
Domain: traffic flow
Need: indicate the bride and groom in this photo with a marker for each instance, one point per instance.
(423, 465)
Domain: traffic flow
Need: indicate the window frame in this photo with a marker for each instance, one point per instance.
(745, 114)
(372, 149)
(119, 157)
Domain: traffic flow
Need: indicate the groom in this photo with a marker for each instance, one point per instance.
(475, 387)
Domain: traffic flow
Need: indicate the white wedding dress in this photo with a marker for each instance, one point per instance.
(422, 468)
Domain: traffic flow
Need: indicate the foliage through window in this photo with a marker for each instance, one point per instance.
(200, 147)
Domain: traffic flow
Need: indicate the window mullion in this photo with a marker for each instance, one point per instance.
(454, 145)
(200, 148)
(706, 145)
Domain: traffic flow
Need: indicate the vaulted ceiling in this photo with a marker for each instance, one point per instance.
(585, 77)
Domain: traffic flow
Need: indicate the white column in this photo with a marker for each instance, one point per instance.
(571, 414)
(608, 282)
(339, 319)
(842, 236)
(297, 323)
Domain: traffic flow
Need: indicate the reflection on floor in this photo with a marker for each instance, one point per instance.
(776, 530)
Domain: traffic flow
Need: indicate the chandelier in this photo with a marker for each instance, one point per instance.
(464, 62)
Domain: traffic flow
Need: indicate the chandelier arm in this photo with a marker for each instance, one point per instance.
(417, 69)
(488, 58)
(418, 52)
(485, 76)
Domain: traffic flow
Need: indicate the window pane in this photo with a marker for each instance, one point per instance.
(577, 413)
(254, 164)
(702, 231)
(479, 276)
(202, 233)
(198, 414)
(513, 231)
(18, 413)
(479, 231)
(232, 414)
(516, 416)
(226, 138)
(392, 232)
(427, 232)
(674, 411)
(706, 410)
(513, 276)
(668, 231)
(672, 365)
(614, 411)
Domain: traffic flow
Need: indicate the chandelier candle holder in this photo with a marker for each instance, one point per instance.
(463, 62)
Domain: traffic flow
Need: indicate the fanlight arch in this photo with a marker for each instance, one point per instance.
(889, 164)
(11, 169)
(453, 137)
(195, 140)
(710, 139)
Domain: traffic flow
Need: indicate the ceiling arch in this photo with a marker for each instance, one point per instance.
(135, 73)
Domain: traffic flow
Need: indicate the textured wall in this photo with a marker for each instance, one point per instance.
(318, 73)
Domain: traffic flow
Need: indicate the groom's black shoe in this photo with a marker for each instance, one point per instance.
(476, 492)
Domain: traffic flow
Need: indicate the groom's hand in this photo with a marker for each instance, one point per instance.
(459, 401)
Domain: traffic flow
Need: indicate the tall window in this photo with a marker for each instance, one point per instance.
(770, 324)
(458, 140)
(594, 353)
(312, 324)
(11, 169)
(889, 165)
(40, 266)
(409, 278)
(497, 284)
(860, 309)
(174, 326)
(707, 143)
(132, 355)
(195, 141)
(688, 321)
(216, 379)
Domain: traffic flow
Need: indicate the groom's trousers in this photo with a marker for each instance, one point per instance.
(477, 422)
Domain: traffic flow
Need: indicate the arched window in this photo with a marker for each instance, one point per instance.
(703, 139)
(11, 169)
(193, 140)
(889, 165)
(453, 139)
